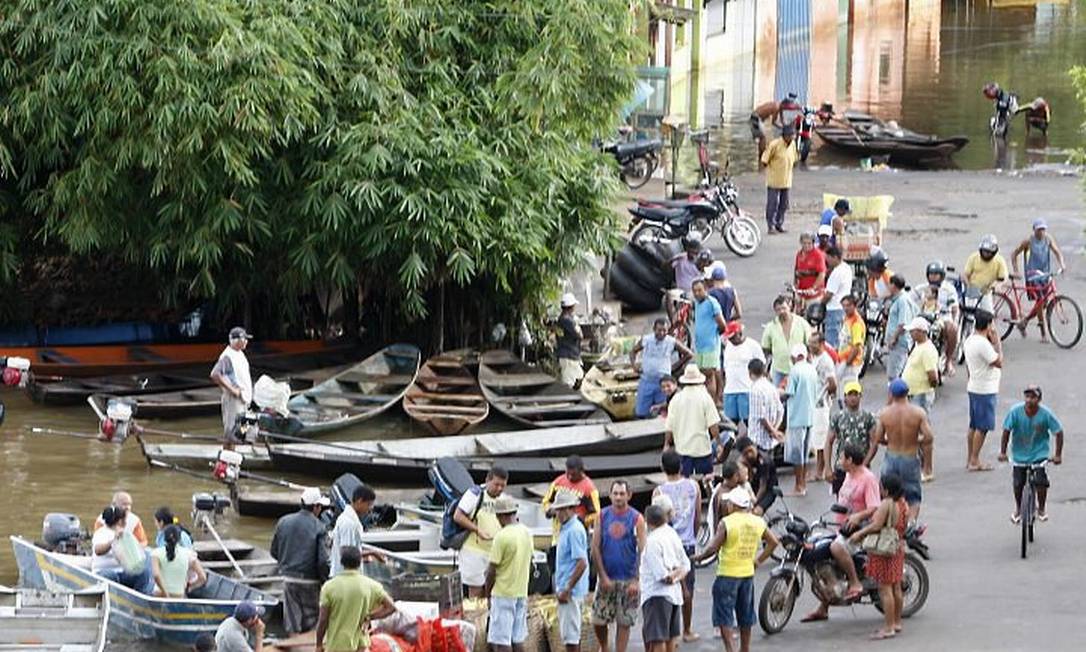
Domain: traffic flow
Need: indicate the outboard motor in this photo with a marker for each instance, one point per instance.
(207, 508)
(342, 490)
(246, 428)
(450, 478)
(62, 533)
(16, 371)
(117, 424)
(228, 466)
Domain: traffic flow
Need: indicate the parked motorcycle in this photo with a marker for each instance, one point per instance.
(701, 213)
(637, 160)
(807, 553)
(804, 124)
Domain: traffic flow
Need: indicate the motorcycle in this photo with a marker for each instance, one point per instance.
(637, 160)
(804, 124)
(969, 300)
(1006, 105)
(807, 553)
(875, 313)
(701, 213)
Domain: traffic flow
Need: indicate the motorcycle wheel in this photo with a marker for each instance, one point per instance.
(740, 238)
(914, 586)
(752, 224)
(646, 236)
(776, 604)
(638, 171)
(870, 344)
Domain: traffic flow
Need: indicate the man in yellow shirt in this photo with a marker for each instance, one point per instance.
(778, 158)
(984, 269)
(853, 335)
(507, 579)
(921, 372)
(348, 602)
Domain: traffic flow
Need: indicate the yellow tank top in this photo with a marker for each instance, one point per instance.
(487, 522)
(736, 556)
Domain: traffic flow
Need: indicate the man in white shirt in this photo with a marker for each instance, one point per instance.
(739, 350)
(984, 360)
(827, 390)
(348, 530)
(231, 373)
(664, 564)
(838, 285)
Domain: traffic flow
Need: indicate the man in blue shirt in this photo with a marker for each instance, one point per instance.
(1028, 427)
(708, 325)
(835, 217)
(657, 360)
(802, 393)
(902, 310)
(571, 569)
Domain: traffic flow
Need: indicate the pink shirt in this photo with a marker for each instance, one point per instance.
(859, 492)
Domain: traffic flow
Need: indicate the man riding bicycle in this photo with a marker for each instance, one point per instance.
(984, 270)
(939, 300)
(1036, 252)
(1028, 427)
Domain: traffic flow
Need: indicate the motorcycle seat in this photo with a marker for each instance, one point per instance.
(693, 204)
(637, 148)
(659, 213)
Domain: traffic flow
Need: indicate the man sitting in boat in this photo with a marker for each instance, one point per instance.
(117, 555)
(298, 544)
(234, 633)
(123, 500)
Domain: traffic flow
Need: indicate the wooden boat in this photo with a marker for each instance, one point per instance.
(530, 396)
(176, 621)
(33, 620)
(276, 502)
(863, 135)
(612, 382)
(202, 456)
(73, 391)
(446, 397)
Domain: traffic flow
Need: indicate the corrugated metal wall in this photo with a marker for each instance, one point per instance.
(793, 48)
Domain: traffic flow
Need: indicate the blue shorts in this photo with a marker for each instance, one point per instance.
(508, 621)
(908, 469)
(797, 445)
(733, 602)
(982, 409)
(688, 466)
(737, 406)
(648, 395)
(831, 326)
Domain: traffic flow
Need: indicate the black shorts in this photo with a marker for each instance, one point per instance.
(1040, 477)
(756, 127)
(661, 620)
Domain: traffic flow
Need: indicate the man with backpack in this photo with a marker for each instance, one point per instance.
(474, 516)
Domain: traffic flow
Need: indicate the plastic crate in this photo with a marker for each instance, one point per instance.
(873, 208)
(445, 590)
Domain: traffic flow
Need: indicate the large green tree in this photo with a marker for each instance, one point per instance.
(255, 151)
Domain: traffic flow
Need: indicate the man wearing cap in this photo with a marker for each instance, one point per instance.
(802, 396)
(709, 325)
(905, 430)
(736, 543)
(721, 289)
(826, 238)
(921, 371)
(984, 360)
(507, 579)
(234, 632)
(664, 566)
(778, 159)
(348, 602)
(851, 425)
(1036, 252)
(658, 352)
(570, 567)
(1028, 427)
(569, 342)
(739, 350)
(231, 373)
(298, 544)
(693, 423)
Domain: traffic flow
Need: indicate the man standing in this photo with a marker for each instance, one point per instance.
(233, 633)
(739, 350)
(721, 289)
(664, 565)
(1036, 252)
(827, 390)
(657, 352)
(475, 513)
(852, 425)
(853, 336)
(576, 483)
(1027, 427)
(231, 373)
(348, 529)
(507, 579)
(905, 430)
(685, 497)
(778, 158)
(298, 544)
(901, 313)
(766, 409)
(348, 602)
(709, 324)
(802, 394)
(921, 372)
(838, 285)
(763, 474)
(693, 423)
(569, 342)
(984, 360)
(570, 569)
(616, 551)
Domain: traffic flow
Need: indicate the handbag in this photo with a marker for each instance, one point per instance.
(885, 542)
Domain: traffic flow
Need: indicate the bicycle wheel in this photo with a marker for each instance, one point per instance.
(1025, 511)
(1064, 321)
(1005, 315)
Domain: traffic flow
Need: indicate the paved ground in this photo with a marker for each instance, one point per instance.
(983, 597)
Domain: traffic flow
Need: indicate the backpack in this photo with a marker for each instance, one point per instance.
(452, 535)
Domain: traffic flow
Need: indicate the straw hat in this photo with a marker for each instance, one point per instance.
(505, 505)
(692, 376)
(563, 499)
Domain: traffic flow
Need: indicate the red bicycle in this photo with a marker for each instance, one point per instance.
(682, 318)
(1063, 317)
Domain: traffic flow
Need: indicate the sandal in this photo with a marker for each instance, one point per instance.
(1015, 519)
(1042, 516)
(854, 594)
(814, 617)
(882, 635)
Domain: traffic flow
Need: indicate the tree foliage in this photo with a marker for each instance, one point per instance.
(264, 148)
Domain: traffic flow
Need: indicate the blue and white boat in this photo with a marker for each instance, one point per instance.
(167, 620)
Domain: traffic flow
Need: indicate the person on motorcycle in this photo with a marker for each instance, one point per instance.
(809, 273)
(860, 494)
(985, 270)
(835, 217)
(1036, 252)
(878, 274)
(939, 301)
(1038, 115)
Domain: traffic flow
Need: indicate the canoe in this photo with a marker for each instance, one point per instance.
(202, 456)
(276, 502)
(531, 397)
(863, 135)
(612, 382)
(175, 621)
(33, 620)
(90, 361)
(73, 391)
(446, 397)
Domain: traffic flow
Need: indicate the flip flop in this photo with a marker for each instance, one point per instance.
(930, 477)
(854, 594)
(981, 467)
(1042, 516)
(691, 637)
(883, 635)
(1015, 519)
(814, 617)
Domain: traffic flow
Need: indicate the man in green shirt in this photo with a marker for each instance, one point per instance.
(347, 601)
(507, 579)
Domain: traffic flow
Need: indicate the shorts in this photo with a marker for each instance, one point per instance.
(572, 371)
(831, 326)
(688, 581)
(508, 621)
(708, 359)
(648, 395)
(1018, 475)
(756, 127)
(615, 606)
(473, 565)
(847, 373)
(232, 408)
(733, 602)
(660, 620)
(982, 409)
(797, 445)
(688, 466)
(570, 615)
(907, 467)
(820, 428)
(895, 362)
(925, 401)
(737, 406)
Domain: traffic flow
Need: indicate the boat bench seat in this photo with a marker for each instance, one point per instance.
(451, 409)
(578, 408)
(50, 355)
(382, 379)
(350, 396)
(541, 398)
(446, 396)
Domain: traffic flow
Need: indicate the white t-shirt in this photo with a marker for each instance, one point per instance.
(823, 364)
(736, 359)
(108, 561)
(840, 283)
(663, 555)
(979, 356)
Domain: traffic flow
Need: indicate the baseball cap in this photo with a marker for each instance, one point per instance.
(899, 388)
(247, 611)
(799, 351)
(312, 496)
(919, 324)
(1040, 223)
(739, 497)
(569, 300)
(720, 273)
(239, 333)
(825, 229)
(1033, 389)
(732, 328)
(854, 386)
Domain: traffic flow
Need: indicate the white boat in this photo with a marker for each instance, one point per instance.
(33, 620)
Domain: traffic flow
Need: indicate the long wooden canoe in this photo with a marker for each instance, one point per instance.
(531, 397)
(612, 382)
(446, 397)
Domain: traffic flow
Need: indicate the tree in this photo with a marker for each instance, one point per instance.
(259, 151)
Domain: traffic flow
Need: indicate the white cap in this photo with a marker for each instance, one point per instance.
(568, 300)
(825, 229)
(919, 324)
(312, 496)
(739, 497)
(799, 351)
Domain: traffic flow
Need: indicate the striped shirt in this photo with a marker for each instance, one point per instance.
(765, 403)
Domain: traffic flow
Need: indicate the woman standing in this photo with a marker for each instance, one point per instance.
(173, 566)
(888, 570)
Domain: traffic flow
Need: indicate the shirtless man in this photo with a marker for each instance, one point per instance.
(761, 113)
(905, 430)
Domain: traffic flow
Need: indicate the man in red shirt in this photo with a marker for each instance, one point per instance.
(576, 482)
(810, 271)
